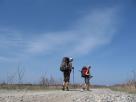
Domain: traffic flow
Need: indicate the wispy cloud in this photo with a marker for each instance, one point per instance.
(3, 58)
(89, 32)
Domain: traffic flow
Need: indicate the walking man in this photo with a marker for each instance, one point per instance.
(66, 67)
(85, 72)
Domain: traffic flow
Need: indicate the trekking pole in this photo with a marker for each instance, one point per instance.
(73, 75)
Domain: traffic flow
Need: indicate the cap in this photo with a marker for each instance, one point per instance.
(71, 59)
(89, 66)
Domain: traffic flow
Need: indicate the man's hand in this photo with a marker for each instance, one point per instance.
(90, 76)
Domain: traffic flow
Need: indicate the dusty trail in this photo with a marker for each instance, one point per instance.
(94, 95)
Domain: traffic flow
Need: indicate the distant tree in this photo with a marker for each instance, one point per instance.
(60, 81)
(134, 75)
(44, 81)
(134, 78)
(10, 78)
(20, 74)
(52, 81)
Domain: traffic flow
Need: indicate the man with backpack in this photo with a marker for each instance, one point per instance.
(85, 73)
(66, 67)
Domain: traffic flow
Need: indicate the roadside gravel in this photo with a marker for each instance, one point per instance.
(94, 95)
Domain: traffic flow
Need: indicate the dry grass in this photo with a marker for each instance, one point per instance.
(129, 87)
(28, 87)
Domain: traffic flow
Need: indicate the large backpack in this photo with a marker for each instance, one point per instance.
(65, 59)
(63, 66)
(84, 71)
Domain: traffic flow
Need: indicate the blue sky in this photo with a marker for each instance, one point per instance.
(36, 34)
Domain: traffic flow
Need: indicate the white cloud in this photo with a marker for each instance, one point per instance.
(86, 34)
(3, 58)
(7, 59)
(89, 32)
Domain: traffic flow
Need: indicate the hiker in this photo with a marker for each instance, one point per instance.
(66, 67)
(85, 73)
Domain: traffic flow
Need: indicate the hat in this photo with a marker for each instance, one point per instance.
(70, 59)
(89, 66)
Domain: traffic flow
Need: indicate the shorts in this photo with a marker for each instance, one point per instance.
(87, 80)
(66, 75)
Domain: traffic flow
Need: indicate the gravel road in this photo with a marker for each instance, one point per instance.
(94, 95)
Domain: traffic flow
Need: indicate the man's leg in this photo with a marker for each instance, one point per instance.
(64, 85)
(88, 84)
(88, 87)
(67, 81)
(67, 86)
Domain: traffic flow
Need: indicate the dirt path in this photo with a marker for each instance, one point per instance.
(95, 95)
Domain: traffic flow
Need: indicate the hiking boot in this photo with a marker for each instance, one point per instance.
(63, 88)
(67, 89)
(88, 89)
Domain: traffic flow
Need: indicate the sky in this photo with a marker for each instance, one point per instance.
(36, 34)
